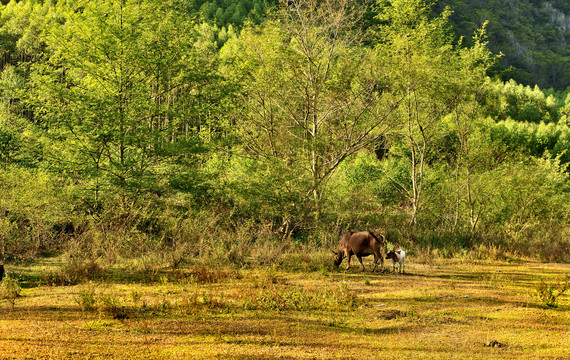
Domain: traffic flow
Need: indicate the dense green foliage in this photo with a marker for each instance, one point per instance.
(131, 127)
(532, 35)
(232, 12)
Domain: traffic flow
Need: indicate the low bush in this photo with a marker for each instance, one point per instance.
(549, 293)
(86, 298)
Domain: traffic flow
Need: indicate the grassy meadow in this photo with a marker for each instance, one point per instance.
(441, 309)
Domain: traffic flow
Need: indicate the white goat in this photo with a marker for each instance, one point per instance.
(398, 257)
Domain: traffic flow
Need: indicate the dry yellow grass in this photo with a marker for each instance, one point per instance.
(449, 310)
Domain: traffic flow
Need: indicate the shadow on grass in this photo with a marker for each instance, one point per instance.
(43, 313)
(27, 280)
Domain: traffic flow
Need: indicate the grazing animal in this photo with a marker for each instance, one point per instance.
(398, 257)
(361, 243)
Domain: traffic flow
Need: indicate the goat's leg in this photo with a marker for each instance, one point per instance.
(375, 262)
(403, 265)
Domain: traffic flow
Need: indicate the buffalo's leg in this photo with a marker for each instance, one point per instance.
(359, 257)
(375, 262)
(348, 254)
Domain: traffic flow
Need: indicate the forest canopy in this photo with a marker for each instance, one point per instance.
(213, 128)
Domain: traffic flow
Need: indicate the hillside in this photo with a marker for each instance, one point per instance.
(532, 35)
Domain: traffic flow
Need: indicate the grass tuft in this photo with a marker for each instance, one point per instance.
(549, 293)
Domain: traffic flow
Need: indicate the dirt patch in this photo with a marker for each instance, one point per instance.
(494, 344)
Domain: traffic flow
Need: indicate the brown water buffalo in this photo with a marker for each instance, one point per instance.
(361, 243)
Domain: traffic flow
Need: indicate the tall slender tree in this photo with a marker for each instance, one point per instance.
(116, 91)
(311, 94)
(432, 74)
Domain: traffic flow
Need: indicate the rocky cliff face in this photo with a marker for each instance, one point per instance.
(559, 19)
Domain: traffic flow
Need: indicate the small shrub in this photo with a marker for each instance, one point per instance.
(10, 290)
(86, 299)
(136, 297)
(209, 276)
(548, 294)
(111, 305)
(76, 269)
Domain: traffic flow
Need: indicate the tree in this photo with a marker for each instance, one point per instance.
(311, 96)
(433, 76)
(115, 93)
(417, 48)
(473, 63)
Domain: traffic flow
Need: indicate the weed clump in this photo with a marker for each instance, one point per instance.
(548, 294)
(86, 299)
(210, 276)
